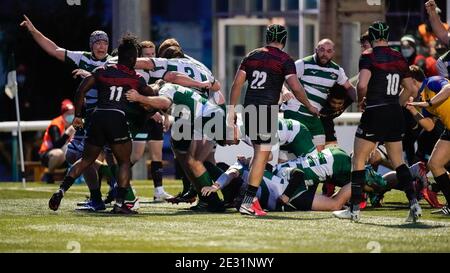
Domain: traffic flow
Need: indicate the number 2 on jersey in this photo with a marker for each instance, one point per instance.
(259, 78)
(393, 82)
(113, 91)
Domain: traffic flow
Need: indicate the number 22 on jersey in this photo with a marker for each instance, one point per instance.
(259, 78)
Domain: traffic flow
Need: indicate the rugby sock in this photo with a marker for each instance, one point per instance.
(104, 170)
(204, 180)
(96, 195)
(121, 192)
(213, 170)
(250, 193)
(67, 183)
(156, 171)
(406, 182)
(443, 182)
(184, 179)
(114, 171)
(129, 195)
(358, 178)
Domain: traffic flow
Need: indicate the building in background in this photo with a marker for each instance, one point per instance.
(239, 26)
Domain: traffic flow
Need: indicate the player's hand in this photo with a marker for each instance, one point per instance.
(80, 73)
(287, 96)
(410, 108)
(431, 8)
(70, 131)
(362, 105)
(314, 111)
(28, 24)
(158, 117)
(77, 123)
(205, 85)
(284, 206)
(206, 191)
(166, 123)
(132, 95)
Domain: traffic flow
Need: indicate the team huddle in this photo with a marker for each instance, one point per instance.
(134, 95)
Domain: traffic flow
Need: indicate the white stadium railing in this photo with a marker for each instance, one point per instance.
(11, 126)
(345, 131)
(41, 125)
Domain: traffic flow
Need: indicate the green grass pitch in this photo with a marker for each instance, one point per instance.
(27, 225)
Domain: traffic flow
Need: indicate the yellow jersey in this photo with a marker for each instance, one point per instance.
(430, 88)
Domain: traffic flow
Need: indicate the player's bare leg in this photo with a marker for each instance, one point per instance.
(122, 153)
(325, 203)
(439, 158)
(90, 154)
(261, 157)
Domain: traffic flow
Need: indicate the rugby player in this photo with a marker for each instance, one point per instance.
(382, 70)
(318, 73)
(435, 94)
(265, 69)
(109, 125)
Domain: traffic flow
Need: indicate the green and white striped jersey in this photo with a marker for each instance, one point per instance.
(86, 60)
(196, 106)
(270, 189)
(331, 162)
(182, 65)
(294, 137)
(317, 81)
(288, 129)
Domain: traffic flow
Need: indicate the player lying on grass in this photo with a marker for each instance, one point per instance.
(291, 186)
(274, 189)
(378, 185)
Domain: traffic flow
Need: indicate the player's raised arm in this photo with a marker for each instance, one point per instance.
(45, 43)
(435, 20)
